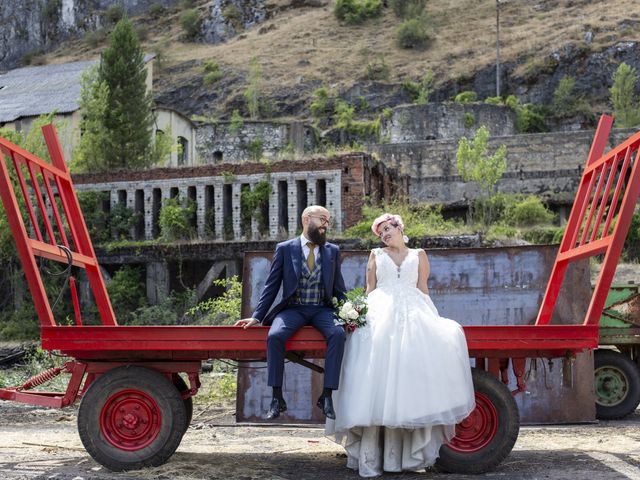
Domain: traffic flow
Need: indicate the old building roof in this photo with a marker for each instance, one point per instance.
(32, 91)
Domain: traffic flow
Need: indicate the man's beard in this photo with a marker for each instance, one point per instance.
(316, 236)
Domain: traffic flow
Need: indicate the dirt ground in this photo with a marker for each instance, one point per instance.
(43, 443)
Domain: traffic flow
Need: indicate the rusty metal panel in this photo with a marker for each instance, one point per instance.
(477, 286)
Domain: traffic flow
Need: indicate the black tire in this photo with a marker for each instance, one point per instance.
(617, 385)
(181, 385)
(131, 417)
(480, 453)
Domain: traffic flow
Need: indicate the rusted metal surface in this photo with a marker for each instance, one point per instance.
(478, 286)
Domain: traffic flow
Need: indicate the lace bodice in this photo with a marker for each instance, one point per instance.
(390, 275)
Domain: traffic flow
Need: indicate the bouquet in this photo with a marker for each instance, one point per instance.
(352, 311)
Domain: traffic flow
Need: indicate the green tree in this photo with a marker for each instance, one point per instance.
(626, 107)
(253, 93)
(475, 165)
(90, 153)
(128, 118)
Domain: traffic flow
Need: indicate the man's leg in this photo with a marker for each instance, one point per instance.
(284, 325)
(335, 336)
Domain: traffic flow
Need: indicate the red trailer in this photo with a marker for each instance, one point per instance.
(135, 406)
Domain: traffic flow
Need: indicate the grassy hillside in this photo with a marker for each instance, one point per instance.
(309, 46)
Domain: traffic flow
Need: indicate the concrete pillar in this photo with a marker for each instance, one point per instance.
(200, 211)
(157, 282)
(292, 201)
(334, 202)
(113, 198)
(273, 210)
(131, 204)
(148, 213)
(236, 191)
(219, 212)
(182, 193)
(311, 190)
(254, 234)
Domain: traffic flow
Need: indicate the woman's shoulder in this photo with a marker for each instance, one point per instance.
(376, 252)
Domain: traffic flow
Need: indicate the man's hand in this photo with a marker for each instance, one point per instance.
(246, 322)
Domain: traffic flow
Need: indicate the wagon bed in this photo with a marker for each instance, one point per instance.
(135, 405)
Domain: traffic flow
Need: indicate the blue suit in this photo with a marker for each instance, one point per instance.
(287, 318)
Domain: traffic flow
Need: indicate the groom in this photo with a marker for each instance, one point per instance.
(308, 268)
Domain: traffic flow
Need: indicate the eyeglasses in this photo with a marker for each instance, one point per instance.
(323, 220)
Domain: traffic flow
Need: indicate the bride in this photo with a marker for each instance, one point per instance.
(406, 378)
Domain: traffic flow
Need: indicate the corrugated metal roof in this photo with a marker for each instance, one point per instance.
(32, 91)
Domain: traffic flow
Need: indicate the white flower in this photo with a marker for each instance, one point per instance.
(353, 314)
(347, 306)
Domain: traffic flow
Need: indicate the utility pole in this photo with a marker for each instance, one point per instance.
(497, 48)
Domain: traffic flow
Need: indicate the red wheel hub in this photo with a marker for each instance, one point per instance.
(130, 420)
(477, 430)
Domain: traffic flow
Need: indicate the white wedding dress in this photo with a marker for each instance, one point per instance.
(405, 380)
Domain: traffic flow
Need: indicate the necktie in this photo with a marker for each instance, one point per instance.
(311, 258)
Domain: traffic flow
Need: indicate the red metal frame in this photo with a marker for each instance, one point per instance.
(585, 238)
(80, 247)
(175, 349)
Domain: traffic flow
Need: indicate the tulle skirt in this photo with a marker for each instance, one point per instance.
(405, 384)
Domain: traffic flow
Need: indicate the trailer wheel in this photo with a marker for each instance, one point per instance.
(131, 417)
(181, 385)
(617, 385)
(488, 434)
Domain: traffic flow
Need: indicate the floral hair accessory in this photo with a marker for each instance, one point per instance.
(395, 220)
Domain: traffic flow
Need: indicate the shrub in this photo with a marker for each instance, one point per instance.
(387, 113)
(494, 100)
(157, 10)
(420, 220)
(466, 97)
(413, 33)
(121, 220)
(626, 108)
(408, 8)
(236, 122)
(565, 102)
(469, 119)
(513, 210)
(33, 57)
(357, 11)
(544, 235)
(97, 220)
(530, 118)
(114, 14)
(527, 212)
(175, 220)
(233, 16)
(343, 115)
(190, 21)
(321, 105)
(223, 310)
(377, 69)
(255, 149)
(420, 91)
(500, 231)
(253, 93)
(95, 37)
(126, 292)
(212, 72)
